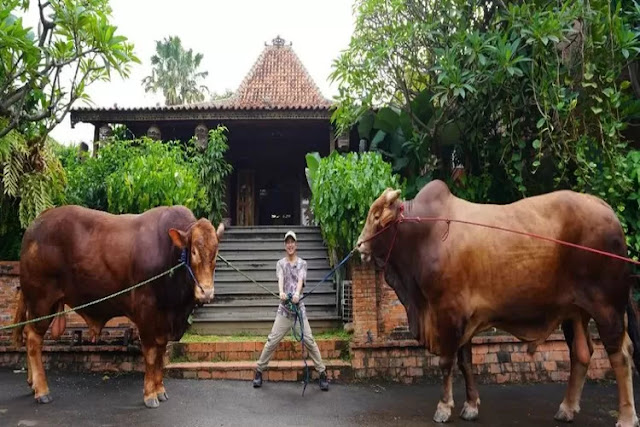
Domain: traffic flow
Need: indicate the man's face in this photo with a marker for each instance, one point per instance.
(290, 246)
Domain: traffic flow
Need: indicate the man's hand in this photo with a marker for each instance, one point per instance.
(295, 298)
(283, 296)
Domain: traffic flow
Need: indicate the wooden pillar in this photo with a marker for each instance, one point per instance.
(332, 140)
(96, 137)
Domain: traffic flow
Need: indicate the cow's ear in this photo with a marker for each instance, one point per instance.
(179, 238)
(220, 231)
(392, 196)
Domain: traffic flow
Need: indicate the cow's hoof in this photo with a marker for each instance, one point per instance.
(469, 413)
(163, 397)
(633, 423)
(45, 398)
(565, 414)
(152, 402)
(443, 413)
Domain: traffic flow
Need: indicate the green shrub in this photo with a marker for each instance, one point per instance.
(343, 188)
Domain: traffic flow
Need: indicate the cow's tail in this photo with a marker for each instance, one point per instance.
(20, 316)
(633, 329)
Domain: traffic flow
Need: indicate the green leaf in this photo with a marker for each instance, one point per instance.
(540, 123)
(365, 125)
(380, 135)
(387, 120)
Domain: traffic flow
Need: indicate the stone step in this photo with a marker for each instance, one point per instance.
(252, 245)
(231, 351)
(327, 298)
(258, 314)
(258, 325)
(244, 287)
(249, 313)
(279, 370)
(313, 275)
(266, 229)
(260, 265)
(271, 255)
(276, 240)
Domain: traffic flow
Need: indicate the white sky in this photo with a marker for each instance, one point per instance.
(230, 33)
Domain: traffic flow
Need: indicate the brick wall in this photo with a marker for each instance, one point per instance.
(10, 282)
(103, 358)
(378, 315)
(377, 352)
(496, 359)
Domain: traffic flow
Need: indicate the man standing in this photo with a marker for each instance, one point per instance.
(292, 273)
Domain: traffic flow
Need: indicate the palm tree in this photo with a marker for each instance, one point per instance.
(175, 72)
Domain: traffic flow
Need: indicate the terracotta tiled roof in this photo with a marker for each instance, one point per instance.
(277, 81)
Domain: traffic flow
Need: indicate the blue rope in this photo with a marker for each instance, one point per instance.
(298, 318)
(324, 279)
(186, 260)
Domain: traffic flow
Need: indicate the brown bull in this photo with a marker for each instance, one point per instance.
(73, 255)
(456, 280)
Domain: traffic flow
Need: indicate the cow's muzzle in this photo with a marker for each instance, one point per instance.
(204, 296)
(365, 250)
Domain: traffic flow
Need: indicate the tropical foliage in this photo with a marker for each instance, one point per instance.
(528, 97)
(43, 73)
(132, 176)
(175, 73)
(343, 188)
(213, 170)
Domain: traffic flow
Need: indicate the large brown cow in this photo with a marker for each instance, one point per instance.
(73, 255)
(456, 280)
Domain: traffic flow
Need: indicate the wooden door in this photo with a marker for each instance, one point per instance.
(245, 198)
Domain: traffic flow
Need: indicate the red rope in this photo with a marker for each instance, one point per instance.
(402, 218)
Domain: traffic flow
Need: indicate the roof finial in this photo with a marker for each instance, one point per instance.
(278, 41)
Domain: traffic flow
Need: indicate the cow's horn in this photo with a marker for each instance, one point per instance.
(392, 196)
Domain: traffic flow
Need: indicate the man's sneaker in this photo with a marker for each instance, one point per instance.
(324, 384)
(257, 380)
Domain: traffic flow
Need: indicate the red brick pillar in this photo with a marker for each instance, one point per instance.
(9, 283)
(365, 308)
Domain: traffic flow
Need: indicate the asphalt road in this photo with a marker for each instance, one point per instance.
(92, 400)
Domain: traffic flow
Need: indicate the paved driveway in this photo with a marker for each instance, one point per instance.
(91, 400)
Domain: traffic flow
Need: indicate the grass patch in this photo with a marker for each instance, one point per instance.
(191, 337)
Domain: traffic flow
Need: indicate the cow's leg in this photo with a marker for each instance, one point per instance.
(576, 333)
(29, 370)
(470, 408)
(35, 334)
(161, 392)
(613, 333)
(445, 405)
(149, 352)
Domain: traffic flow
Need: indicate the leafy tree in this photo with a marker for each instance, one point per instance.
(42, 74)
(227, 94)
(175, 73)
(529, 93)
